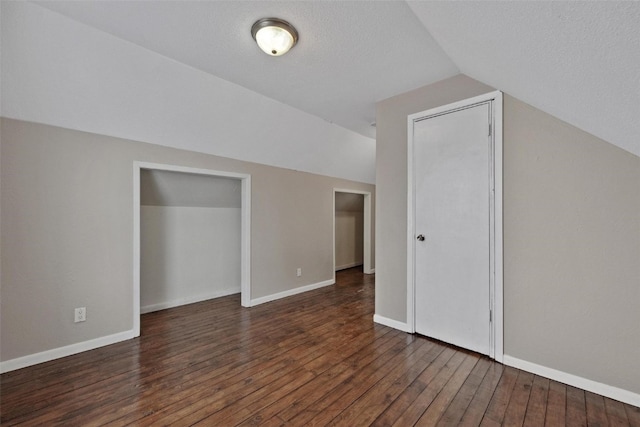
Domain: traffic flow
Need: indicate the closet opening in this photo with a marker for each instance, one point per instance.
(352, 245)
(191, 237)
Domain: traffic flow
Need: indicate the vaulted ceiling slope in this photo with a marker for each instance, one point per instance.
(350, 54)
(168, 188)
(579, 61)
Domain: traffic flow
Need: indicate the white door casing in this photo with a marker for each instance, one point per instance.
(245, 233)
(455, 202)
(367, 223)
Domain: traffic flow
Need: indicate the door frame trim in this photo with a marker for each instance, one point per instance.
(496, 251)
(245, 229)
(367, 259)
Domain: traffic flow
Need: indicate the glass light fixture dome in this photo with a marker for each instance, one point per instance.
(274, 36)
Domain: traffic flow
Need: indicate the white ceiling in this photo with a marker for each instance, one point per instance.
(350, 54)
(579, 61)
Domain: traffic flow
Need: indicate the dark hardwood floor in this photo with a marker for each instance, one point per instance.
(309, 360)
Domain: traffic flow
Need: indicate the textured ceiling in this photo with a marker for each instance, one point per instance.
(579, 61)
(350, 54)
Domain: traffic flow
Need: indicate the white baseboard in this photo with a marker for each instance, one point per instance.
(57, 353)
(402, 326)
(291, 292)
(573, 380)
(350, 265)
(372, 271)
(189, 300)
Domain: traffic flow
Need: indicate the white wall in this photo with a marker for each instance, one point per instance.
(188, 254)
(57, 71)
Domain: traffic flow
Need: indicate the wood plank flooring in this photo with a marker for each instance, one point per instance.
(313, 359)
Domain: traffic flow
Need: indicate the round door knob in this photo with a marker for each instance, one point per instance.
(420, 237)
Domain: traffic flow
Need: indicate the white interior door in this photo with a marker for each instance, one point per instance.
(452, 178)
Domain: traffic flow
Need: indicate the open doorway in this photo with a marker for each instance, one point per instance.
(352, 230)
(172, 200)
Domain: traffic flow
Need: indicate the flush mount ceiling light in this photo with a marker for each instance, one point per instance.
(274, 36)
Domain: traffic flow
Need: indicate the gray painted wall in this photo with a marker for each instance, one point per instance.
(571, 236)
(571, 249)
(67, 231)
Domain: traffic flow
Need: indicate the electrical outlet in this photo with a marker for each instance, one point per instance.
(299, 272)
(80, 314)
